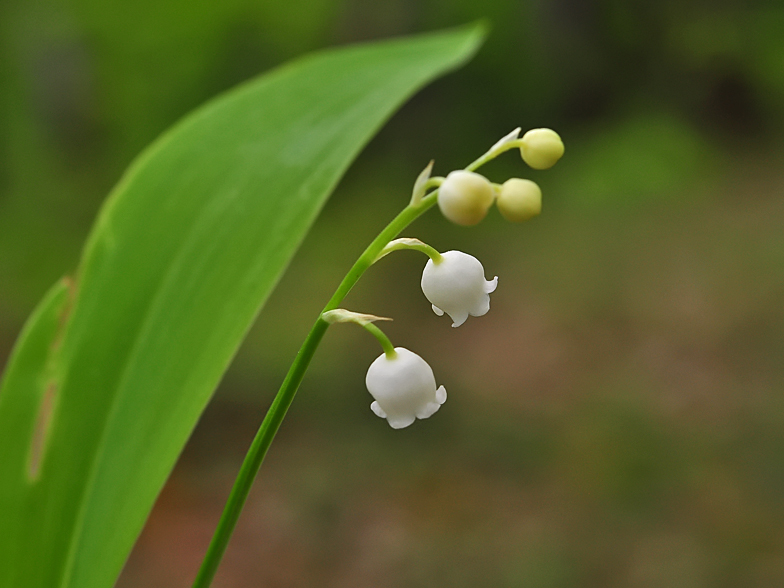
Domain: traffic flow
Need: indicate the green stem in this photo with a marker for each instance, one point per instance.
(269, 427)
(386, 344)
(493, 153)
(271, 423)
(412, 244)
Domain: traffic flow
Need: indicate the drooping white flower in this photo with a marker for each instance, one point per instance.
(457, 286)
(404, 388)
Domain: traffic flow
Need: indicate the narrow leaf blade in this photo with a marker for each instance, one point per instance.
(184, 253)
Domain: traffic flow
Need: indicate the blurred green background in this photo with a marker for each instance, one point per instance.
(617, 419)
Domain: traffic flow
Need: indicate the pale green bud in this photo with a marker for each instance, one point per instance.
(465, 197)
(519, 200)
(541, 148)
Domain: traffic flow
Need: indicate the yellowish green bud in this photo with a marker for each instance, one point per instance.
(519, 200)
(541, 148)
(465, 197)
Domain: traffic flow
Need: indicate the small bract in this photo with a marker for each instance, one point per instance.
(465, 197)
(404, 388)
(457, 286)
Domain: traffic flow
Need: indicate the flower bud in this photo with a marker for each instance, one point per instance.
(519, 200)
(457, 286)
(465, 197)
(404, 388)
(541, 148)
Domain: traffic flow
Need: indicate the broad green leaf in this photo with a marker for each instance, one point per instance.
(112, 371)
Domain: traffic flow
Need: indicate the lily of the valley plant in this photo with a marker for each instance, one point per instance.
(401, 382)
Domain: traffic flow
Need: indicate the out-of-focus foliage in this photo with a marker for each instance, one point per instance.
(615, 420)
(85, 85)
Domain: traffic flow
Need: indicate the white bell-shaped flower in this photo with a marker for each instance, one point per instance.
(457, 286)
(404, 388)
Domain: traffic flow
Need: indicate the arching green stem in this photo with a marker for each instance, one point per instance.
(386, 344)
(341, 315)
(412, 244)
(510, 141)
(271, 423)
(274, 417)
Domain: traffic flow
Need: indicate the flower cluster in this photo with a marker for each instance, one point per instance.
(465, 197)
(401, 382)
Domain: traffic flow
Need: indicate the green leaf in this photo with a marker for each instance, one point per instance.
(112, 372)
